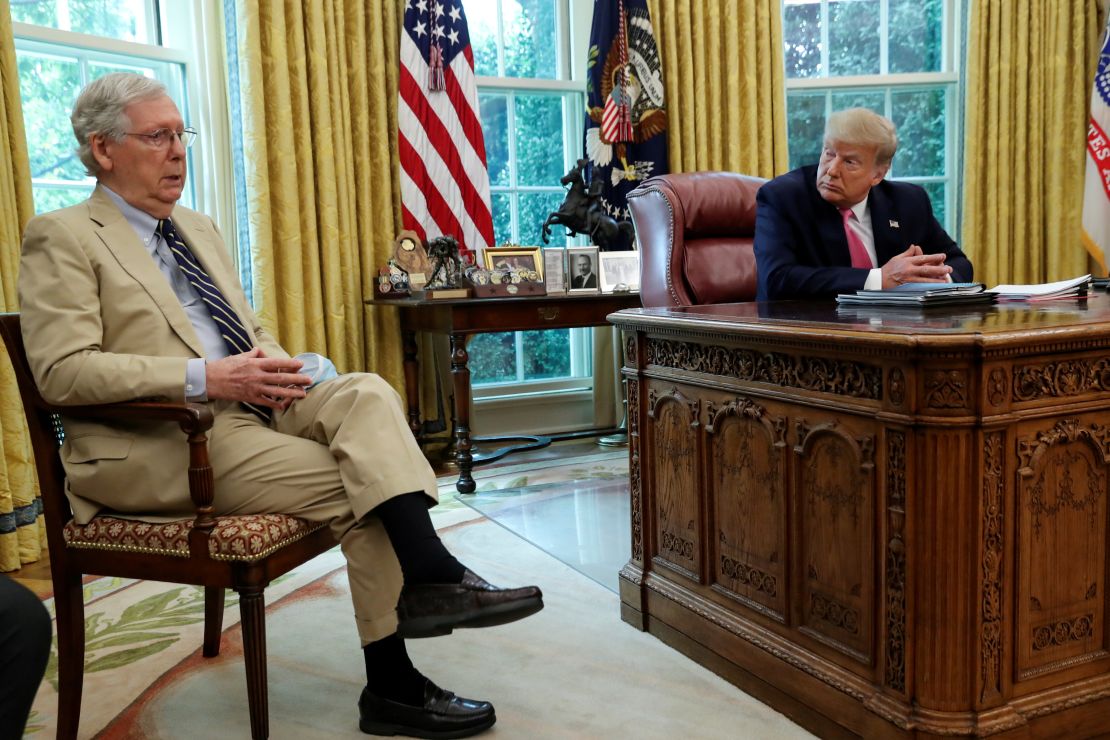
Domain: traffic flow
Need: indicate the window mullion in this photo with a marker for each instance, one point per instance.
(884, 37)
(518, 347)
(64, 22)
(825, 70)
(514, 183)
(500, 40)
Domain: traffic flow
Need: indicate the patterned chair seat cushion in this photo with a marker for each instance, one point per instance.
(248, 537)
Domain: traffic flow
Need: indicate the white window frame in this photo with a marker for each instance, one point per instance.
(192, 39)
(948, 78)
(564, 403)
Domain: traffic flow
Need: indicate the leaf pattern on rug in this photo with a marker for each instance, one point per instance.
(32, 727)
(138, 630)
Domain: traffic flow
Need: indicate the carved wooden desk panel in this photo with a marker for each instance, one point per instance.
(881, 523)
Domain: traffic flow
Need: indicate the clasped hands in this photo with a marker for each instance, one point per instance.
(255, 378)
(914, 266)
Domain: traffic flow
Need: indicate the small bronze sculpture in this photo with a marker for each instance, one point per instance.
(582, 212)
(572, 213)
(604, 230)
(443, 251)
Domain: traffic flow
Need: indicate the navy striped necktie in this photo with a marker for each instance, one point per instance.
(235, 335)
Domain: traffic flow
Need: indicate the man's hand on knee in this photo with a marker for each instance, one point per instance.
(257, 379)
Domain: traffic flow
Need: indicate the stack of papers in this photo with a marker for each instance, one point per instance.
(920, 294)
(1074, 288)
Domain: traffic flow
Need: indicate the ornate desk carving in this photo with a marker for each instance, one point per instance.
(886, 524)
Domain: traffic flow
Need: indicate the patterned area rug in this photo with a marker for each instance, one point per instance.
(572, 671)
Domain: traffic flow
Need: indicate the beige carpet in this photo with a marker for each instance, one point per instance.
(572, 671)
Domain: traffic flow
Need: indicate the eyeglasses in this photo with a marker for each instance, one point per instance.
(163, 137)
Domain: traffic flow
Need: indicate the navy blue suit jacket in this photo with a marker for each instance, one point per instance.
(801, 250)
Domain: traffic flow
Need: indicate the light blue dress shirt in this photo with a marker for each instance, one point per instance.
(146, 227)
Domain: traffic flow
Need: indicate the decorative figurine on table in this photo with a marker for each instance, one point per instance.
(571, 214)
(446, 265)
(393, 280)
(582, 212)
(409, 255)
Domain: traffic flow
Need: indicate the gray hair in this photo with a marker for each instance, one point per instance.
(99, 110)
(863, 127)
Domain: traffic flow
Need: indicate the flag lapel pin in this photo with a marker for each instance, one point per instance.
(893, 224)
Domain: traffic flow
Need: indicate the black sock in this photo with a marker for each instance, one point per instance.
(390, 674)
(423, 557)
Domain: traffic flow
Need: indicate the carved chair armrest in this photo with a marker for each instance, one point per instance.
(195, 420)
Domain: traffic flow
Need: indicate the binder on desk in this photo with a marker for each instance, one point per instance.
(920, 294)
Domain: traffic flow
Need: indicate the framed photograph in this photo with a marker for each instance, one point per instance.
(555, 270)
(516, 259)
(619, 271)
(582, 269)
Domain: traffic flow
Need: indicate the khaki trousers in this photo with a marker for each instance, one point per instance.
(330, 457)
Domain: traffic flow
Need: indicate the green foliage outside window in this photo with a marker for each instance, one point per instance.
(115, 19)
(51, 75)
(492, 358)
(525, 154)
(914, 44)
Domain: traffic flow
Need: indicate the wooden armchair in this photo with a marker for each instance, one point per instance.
(244, 553)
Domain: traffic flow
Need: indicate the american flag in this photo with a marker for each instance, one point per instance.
(444, 180)
(1096, 194)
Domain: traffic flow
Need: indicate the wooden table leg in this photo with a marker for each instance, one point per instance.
(460, 374)
(412, 380)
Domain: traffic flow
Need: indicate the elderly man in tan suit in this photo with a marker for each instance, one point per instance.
(129, 295)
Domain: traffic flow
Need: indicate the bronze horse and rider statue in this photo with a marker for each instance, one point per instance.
(582, 212)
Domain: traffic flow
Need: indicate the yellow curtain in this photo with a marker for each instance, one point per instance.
(22, 530)
(318, 81)
(1029, 67)
(723, 75)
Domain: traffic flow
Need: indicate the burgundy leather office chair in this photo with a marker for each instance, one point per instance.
(695, 233)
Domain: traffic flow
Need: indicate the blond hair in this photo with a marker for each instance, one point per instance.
(864, 127)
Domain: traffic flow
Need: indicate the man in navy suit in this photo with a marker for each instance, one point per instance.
(839, 226)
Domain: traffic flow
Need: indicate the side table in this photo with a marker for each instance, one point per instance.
(459, 318)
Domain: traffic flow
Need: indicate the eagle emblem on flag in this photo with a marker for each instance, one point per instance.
(625, 138)
(631, 93)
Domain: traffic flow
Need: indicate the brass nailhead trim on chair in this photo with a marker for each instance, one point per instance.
(81, 545)
(84, 545)
(670, 237)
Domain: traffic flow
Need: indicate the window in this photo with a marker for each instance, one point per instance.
(532, 113)
(61, 45)
(896, 57)
(124, 20)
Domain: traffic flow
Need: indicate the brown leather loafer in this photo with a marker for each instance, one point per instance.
(443, 715)
(433, 609)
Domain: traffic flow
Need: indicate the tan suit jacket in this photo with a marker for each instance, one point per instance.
(101, 324)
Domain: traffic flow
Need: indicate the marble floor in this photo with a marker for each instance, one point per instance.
(583, 523)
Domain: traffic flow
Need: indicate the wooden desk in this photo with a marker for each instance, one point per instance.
(462, 317)
(883, 524)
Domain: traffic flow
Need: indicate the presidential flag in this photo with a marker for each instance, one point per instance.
(444, 180)
(1096, 194)
(626, 121)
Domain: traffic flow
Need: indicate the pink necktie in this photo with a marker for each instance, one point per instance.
(859, 254)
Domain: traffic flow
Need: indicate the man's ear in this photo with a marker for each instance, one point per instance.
(880, 173)
(100, 145)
